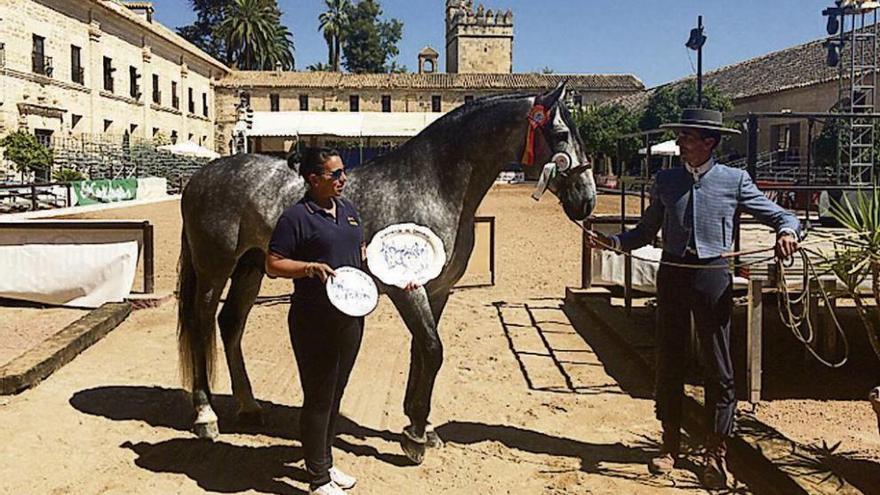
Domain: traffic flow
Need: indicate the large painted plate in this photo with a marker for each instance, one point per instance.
(352, 291)
(405, 252)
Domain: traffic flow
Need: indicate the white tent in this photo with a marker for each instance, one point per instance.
(666, 148)
(340, 124)
(189, 148)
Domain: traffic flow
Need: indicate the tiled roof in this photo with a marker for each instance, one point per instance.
(795, 67)
(138, 5)
(337, 80)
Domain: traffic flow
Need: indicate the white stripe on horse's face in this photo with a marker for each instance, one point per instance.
(576, 191)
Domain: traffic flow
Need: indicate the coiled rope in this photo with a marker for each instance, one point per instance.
(787, 301)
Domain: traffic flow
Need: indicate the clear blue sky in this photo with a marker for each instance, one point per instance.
(640, 37)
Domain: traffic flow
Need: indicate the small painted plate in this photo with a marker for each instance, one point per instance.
(352, 291)
(404, 253)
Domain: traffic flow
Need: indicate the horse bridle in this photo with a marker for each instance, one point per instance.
(561, 161)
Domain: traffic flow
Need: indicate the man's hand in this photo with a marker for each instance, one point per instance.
(597, 240)
(786, 245)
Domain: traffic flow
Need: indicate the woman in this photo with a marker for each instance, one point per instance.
(320, 232)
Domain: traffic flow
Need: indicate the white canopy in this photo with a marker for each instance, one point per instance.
(341, 124)
(666, 148)
(189, 148)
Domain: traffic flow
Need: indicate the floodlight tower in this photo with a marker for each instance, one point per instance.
(852, 25)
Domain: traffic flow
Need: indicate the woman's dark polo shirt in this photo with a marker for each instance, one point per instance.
(305, 232)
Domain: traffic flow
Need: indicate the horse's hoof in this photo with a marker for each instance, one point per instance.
(414, 451)
(206, 431)
(251, 418)
(433, 440)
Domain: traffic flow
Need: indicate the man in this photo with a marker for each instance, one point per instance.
(695, 206)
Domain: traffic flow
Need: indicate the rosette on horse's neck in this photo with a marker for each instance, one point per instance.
(538, 118)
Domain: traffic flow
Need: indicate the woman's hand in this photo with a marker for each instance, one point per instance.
(411, 286)
(321, 270)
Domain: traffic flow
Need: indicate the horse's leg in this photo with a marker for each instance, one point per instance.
(438, 303)
(427, 357)
(246, 280)
(207, 298)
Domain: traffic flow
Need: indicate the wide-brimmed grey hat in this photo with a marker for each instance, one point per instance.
(700, 118)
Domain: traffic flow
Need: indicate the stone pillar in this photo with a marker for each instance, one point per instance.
(184, 101)
(146, 89)
(95, 78)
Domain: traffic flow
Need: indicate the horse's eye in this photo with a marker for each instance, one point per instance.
(561, 135)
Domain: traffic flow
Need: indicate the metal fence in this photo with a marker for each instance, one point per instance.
(104, 156)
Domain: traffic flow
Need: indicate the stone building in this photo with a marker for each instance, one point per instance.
(795, 79)
(479, 62)
(427, 92)
(478, 41)
(73, 68)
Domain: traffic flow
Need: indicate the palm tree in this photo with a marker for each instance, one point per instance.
(319, 67)
(333, 23)
(254, 36)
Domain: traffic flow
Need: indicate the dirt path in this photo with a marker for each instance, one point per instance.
(524, 404)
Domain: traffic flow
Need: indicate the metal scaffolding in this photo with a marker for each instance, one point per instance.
(857, 95)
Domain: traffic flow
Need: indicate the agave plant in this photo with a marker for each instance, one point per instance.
(858, 255)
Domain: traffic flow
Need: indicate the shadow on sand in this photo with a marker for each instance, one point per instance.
(224, 467)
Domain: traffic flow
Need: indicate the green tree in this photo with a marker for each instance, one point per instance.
(601, 127)
(370, 44)
(26, 152)
(160, 139)
(254, 36)
(203, 32)
(319, 67)
(666, 104)
(333, 23)
(67, 175)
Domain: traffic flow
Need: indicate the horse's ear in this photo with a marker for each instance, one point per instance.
(553, 97)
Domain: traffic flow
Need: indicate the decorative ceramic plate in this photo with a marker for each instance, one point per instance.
(404, 253)
(352, 291)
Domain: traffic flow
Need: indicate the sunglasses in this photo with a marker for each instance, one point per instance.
(336, 174)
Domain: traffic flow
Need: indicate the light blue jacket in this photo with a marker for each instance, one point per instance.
(717, 195)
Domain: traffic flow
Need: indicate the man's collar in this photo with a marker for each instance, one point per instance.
(700, 171)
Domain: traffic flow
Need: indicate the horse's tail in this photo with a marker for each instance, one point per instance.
(189, 332)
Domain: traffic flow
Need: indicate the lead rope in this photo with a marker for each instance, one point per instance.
(795, 322)
(789, 318)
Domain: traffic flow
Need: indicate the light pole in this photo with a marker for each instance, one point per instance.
(695, 42)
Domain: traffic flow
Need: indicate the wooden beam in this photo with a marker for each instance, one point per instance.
(753, 338)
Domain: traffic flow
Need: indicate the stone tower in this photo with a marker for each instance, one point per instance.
(428, 58)
(478, 41)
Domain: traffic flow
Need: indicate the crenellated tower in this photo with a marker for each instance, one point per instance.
(478, 41)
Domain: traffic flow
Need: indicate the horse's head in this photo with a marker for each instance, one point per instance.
(567, 172)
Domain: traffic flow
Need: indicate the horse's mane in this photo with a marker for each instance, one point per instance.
(452, 119)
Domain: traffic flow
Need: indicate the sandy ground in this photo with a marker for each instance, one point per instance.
(115, 420)
(523, 402)
(25, 325)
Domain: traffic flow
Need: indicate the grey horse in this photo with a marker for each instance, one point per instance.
(436, 179)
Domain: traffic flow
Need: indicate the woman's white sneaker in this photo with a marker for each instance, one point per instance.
(341, 479)
(330, 488)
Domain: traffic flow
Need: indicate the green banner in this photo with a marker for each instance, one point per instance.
(90, 192)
